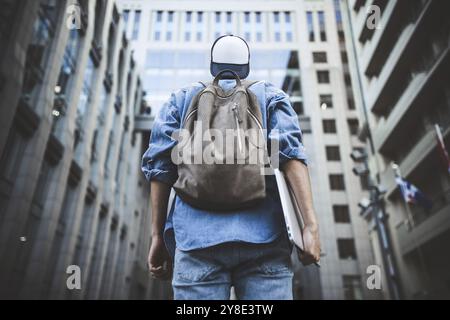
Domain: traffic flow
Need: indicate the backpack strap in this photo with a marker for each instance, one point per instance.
(204, 84)
(247, 84)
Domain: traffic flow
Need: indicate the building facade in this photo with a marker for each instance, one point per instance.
(297, 46)
(400, 56)
(72, 196)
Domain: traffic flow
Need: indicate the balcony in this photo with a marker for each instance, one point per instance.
(402, 54)
(428, 225)
(414, 158)
(364, 33)
(356, 4)
(417, 95)
(376, 49)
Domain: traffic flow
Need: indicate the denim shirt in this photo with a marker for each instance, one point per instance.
(189, 228)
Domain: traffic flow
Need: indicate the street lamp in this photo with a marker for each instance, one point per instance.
(375, 207)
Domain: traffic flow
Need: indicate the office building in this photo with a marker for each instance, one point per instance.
(400, 55)
(72, 196)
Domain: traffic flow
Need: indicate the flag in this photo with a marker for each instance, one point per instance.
(441, 147)
(411, 194)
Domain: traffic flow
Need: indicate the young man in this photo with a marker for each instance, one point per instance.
(246, 248)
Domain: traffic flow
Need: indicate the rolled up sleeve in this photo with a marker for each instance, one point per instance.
(283, 126)
(156, 161)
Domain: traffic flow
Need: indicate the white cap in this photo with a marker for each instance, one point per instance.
(230, 52)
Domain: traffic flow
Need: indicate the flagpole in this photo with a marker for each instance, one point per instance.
(412, 225)
(441, 146)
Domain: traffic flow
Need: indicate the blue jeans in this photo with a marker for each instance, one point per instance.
(257, 271)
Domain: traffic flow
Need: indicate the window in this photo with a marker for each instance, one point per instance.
(157, 36)
(320, 57)
(346, 249)
(289, 36)
(99, 17)
(347, 80)
(217, 17)
(84, 100)
(159, 16)
(351, 104)
(337, 182)
(277, 37)
(188, 16)
(247, 17)
(344, 57)
(137, 20)
(229, 17)
(323, 34)
(298, 107)
(259, 36)
(287, 17)
(67, 70)
(170, 16)
(326, 101)
(247, 36)
(353, 126)
(329, 126)
(38, 50)
(364, 182)
(199, 36)
(199, 16)
(333, 153)
(258, 17)
(187, 36)
(341, 214)
(168, 36)
(126, 15)
(310, 22)
(323, 77)
(276, 17)
(352, 288)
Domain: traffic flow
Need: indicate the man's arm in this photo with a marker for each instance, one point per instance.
(158, 255)
(298, 178)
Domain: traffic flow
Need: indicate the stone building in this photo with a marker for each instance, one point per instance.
(71, 190)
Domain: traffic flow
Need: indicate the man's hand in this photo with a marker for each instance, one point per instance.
(298, 178)
(159, 261)
(311, 242)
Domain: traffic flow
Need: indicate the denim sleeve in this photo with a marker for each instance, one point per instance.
(156, 161)
(283, 125)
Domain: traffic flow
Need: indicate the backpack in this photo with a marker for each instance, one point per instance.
(227, 185)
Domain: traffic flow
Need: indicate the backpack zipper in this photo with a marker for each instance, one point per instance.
(238, 120)
(256, 120)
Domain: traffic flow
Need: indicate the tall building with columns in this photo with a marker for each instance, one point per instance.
(72, 197)
(298, 46)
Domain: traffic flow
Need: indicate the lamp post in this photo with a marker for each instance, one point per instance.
(374, 208)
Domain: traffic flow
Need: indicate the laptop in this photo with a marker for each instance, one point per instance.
(291, 211)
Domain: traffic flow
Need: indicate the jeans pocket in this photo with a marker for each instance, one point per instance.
(190, 266)
(271, 268)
